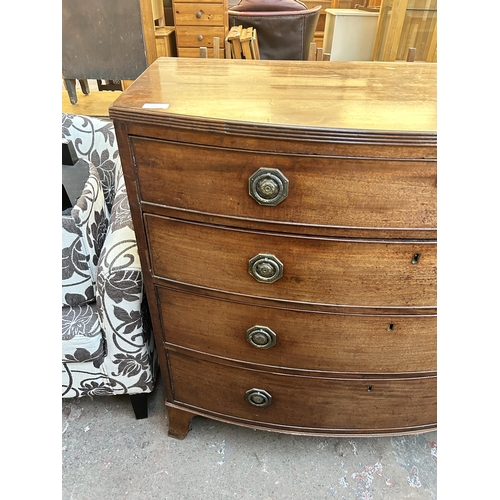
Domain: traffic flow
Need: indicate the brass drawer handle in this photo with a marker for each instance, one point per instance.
(258, 397)
(268, 186)
(261, 337)
(265, 268)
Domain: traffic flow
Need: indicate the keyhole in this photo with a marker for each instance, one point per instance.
(416, 258)
(370, 387)
(390, 328)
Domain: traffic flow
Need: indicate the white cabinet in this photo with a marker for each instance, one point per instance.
(349, 34)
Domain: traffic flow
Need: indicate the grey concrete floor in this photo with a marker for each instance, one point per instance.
(108, 454)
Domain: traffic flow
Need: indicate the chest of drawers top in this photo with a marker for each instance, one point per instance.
(316, 101)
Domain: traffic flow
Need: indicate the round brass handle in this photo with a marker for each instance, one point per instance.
(200, 38)
(261, 337)
(265, 268)
(258, 397)
(268, 186)
(198, 14)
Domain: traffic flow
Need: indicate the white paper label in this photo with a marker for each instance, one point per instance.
(154, 105)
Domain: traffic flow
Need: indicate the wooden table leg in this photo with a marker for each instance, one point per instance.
(179, 422)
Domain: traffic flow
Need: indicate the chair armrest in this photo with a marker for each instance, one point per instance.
(119, 280)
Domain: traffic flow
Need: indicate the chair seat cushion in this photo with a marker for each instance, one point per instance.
(82, 338)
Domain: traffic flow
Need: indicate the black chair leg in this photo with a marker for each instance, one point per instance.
(140, 405)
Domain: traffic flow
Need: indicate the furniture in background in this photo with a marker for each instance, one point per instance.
(105, 40)
(320, 27)
(241, 43)
(196, 25)
(285, 28)
(405, 24)
(109, 85)
(245, 46)
(349, 34)
(165, 41)
(355, 4)
(287, 220)
(216, 49)
(369, 5)
(158, 12)
(107, 342)
(319, 35)
(317, 54)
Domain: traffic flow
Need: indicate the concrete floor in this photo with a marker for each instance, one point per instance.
(108, 454)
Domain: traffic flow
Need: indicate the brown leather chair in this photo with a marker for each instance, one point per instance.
(285, 28)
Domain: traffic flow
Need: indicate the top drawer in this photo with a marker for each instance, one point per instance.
(211, 14)
(316, 190)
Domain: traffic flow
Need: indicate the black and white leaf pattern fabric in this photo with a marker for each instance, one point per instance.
(81, 334)
(83, 232)
(94, 141)
(107, 340)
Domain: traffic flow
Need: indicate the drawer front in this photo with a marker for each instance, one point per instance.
(316, 270)
(325, 191)
(202, 36)
(303, 340)
(368, 405)
(194, 14)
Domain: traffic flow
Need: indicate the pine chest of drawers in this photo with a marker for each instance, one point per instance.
(197, 23)
(286, 219)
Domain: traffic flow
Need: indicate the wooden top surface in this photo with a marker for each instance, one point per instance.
(360, 96)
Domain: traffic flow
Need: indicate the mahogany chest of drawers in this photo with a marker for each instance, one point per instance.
(286, 219)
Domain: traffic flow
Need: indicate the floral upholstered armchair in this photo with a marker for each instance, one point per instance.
(107, 341)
